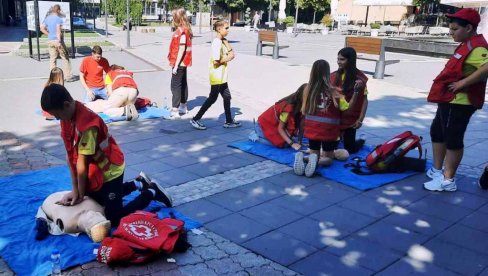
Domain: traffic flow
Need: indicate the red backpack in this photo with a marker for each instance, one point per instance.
(142, 102)
(389, 156)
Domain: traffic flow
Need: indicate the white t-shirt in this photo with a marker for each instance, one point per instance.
(218, 75)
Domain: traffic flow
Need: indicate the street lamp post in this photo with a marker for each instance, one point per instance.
(127, 25)
(270, 10)
(106, 18)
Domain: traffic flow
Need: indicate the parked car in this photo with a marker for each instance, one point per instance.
(239, 23)
(78, 22)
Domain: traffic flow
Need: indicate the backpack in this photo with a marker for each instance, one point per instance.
(142, 102)
(141, 236)
(390, 156)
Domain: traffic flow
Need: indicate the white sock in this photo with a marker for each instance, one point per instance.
(138, 185)
(153, 192)
(436, 170)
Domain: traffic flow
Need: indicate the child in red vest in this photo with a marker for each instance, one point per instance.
(95, 160)
(56, 76)
(321, 108)
(347, 77)
(279, 123)
(458, 91)
(180, 58)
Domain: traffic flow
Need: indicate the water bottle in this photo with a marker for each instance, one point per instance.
(56, 263)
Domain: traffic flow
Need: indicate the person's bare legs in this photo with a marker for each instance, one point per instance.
(453, 159)
(439, 154)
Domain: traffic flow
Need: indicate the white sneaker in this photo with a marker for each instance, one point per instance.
(313, 160)
(434, 174)
(174, 114)
(440, 184)
(298, 165)
(183, 109)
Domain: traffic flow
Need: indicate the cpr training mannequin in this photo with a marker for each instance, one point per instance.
(87, 217)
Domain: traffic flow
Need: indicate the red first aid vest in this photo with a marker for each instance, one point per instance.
(175, 45)
(107, 150)
(270, 120)
(122, 78)
(139, 237)
(351, 115)
(453, 72)
(324, 124)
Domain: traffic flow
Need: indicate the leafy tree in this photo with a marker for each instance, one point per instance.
(316, 5)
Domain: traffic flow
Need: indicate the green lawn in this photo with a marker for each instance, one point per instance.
(79, 33)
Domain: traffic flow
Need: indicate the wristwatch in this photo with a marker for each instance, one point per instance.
(291, 143)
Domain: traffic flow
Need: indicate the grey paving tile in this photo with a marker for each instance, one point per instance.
(436, 208)
(151, 167)
(250, 157)
(484, 273)
(262, 189)
(375, 207)
(289, 178)
(342, 219)
(418, 222)
(392, 236)
(312, 232)
(462, 199)
(203, 210)
(270, 214)
(235, 200)
(401, 193)
(484, 209)
(135, 158)
(329, 192)
(303, 204)
(408, 266)
(452, 257)
(477, 220)
(218, 165)
(137, 146)
(466, 237)
(237, 228)
(364, 252)
(181, 161)
(470, 185)
(324, 263)
(174, 177)
(279, 247)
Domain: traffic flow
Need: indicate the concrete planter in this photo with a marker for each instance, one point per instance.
(289, 30)
(325, 31)
(374, 32)
(247, 28)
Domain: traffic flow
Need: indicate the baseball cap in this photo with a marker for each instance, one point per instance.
(470, 15)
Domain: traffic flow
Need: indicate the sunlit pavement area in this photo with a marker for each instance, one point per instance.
(259, 218)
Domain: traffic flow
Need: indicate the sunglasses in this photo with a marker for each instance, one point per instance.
(226, 28)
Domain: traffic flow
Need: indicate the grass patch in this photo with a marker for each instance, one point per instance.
(78, 33)
(91, 44)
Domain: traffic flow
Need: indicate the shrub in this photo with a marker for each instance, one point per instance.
(327, 20)
(289, 21)
(375, 25)
(247, 16)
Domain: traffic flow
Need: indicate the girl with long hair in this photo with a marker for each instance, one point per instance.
(347, 77)
(180, 58)
(321, 108)
(279, 123)
(56, 76)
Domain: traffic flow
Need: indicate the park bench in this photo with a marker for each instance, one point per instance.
(268, 38)
(371, 46)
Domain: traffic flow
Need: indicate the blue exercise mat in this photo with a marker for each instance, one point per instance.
(336, 171)
(148, 112)
(20, 197)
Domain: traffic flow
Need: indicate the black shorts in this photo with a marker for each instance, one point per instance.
(326, 145)
(450, 123)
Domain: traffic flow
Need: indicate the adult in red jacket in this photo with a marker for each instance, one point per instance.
(458, 91)
(279, 123)
(180, 58)
(347, 77)
(95, 160)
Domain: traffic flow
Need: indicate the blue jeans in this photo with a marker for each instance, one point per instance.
(262, 138)
(100, 93)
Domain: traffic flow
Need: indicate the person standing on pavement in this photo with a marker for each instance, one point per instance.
(256, 20)
(180, 58)
(346, 77)
(52, 28)
(91, 75)
(95, 160)
(459, 90)
(222, 53)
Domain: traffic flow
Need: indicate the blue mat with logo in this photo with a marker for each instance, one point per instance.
(336, 171)
(20, 197)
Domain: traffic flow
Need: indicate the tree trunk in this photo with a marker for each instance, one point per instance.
(314, 12)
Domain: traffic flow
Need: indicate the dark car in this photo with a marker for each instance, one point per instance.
(239, 24)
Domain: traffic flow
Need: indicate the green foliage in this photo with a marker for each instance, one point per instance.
(174, 4)
(289, 21)
(421, 3)
(119, 9)
(316, 5)
(247, 16)
(327, 20)
(375, 25)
